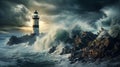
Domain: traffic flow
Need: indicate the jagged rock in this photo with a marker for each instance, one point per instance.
(52, 49)
(87, 46)
(26, 38)
(82, 40)
(103, 47)
(65, 50)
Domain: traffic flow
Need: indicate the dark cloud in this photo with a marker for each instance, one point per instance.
(78, 6)
(66, 11)
(13, 13)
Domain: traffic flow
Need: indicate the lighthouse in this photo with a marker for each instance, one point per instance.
(36, 23)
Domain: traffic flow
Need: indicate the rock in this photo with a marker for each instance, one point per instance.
(52, 49)
(26, 38)
(92, 48)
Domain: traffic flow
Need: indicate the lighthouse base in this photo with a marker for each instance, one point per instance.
(36, 31)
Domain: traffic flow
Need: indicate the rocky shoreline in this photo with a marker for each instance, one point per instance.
(88, 47)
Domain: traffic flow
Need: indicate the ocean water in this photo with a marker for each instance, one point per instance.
(36, 55)
(24, 55)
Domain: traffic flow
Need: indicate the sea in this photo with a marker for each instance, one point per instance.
(36, 55)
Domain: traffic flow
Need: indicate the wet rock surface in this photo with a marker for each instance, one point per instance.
(98, 48)
(17, 40)
(89, 47)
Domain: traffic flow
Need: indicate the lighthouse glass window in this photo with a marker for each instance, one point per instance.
(36, 16)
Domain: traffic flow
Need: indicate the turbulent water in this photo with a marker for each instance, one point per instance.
(36, 55)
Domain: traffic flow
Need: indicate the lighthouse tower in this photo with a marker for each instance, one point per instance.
(36, 23)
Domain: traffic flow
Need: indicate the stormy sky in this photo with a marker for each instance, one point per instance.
(67, 12)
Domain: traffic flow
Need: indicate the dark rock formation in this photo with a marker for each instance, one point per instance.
(26, 38)
(78, 40)
(88, 47)
(103, 47)
(52, 49)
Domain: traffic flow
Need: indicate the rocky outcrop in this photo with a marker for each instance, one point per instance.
(77, 41)
(87, 46)
(26, 38)
(103, 46)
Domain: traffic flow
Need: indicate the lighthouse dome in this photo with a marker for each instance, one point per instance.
(36, 12)
(35, 15)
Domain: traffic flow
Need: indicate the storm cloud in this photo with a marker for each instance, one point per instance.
(18, 12)
(75, 6)
(12, 14)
